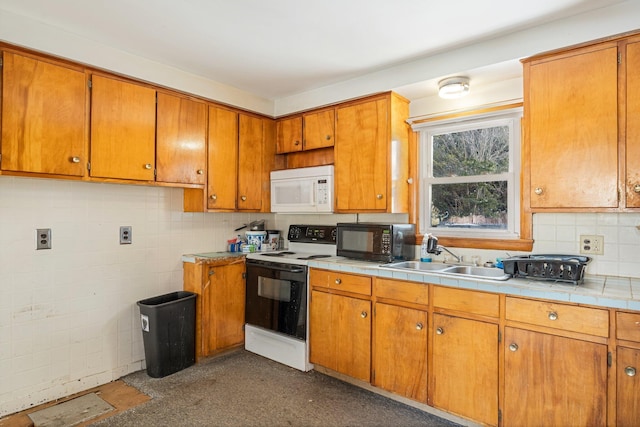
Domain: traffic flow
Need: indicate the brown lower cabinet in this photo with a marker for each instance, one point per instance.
(495, 359)
(220, 285)
(554, 381)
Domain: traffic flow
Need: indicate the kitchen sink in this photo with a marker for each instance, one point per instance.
(449, 269)
(479, 272)
(417, 266)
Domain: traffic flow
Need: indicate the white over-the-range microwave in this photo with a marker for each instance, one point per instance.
(302, 190)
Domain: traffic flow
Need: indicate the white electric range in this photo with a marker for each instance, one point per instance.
(277, 296)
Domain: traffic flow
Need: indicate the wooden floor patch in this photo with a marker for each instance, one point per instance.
(72, 412)
(117, 394)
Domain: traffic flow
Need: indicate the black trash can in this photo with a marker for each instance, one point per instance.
(169, 332)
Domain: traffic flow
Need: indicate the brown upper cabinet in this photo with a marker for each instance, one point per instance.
(309, 131)
(44, 117)
(181, 140)
(582, 126)
(251, 162)
(222, 179)
(369, 134)
(123, 125)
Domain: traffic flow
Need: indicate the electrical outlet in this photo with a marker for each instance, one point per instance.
(125, 235)
(591, 244)
(43, 238)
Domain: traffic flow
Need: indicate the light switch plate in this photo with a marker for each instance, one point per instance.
(591, 244)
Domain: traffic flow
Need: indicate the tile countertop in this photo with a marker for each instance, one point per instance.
(603, 291)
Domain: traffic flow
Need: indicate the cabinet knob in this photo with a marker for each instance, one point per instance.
(338, 281)
(538, 191)
(513, 347)
(211, 272)
(363, 314)
(419, 326)
(147, 166)
(630, 371)
(328, 137)
(296, 143)
(75, 159)
(200, 171)
(636, 188)
(379, 196)
(213, 197)
(243, 198)
(439, 331)
(409, 180)
(553, 316)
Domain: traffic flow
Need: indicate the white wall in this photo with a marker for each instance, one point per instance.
(68, 316)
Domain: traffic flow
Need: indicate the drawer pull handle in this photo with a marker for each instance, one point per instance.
(243, 198)
(419, 326)
(213, 197)
(538, 191)
(630, 371)
(75, 159)
(636, 188)
(147, 166)
(513, 347)
(553, 316)
(200, 172)
(363, 314)
(379, 196)
(439, 331)
(338, 281)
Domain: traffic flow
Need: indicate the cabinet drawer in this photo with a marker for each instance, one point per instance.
(472, 302)
(341, 281)
(628, 326)
(592, 321)
(416, 293)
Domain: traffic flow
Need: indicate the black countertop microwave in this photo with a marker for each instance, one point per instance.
(378, 242)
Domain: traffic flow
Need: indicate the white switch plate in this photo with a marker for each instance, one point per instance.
(591, 244)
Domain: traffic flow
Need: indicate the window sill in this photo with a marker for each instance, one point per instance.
(524, 245)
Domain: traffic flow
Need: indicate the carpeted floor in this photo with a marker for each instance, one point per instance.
(243, 389)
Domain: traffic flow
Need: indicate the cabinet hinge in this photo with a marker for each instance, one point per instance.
(499, 336)
(0, 158)
(89, 83)
(244, 275)
(619, 57)
(373, 376)
(0, 61)
(499, 415)
(609, 359)
(88, 166)
(155, 172)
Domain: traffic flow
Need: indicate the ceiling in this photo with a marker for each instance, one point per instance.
(279, 48)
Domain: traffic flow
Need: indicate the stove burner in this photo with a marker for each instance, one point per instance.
(314, 256)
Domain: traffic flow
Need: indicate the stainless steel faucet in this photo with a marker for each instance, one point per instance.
(434, 248)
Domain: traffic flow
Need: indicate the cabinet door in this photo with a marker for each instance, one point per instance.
(321, 340)
(400, 351)
(250, 152)
(573, 117)
(319, 129)
(352, 318)
(465, 368)
(289, 135)
(553, 381)
(44, 117)
(628, 390)
(123, 128)
(181, 138)
(633, 125)
(222, 171)
(224, 302)
(361, 154)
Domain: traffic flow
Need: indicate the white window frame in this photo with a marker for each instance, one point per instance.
(510, 118)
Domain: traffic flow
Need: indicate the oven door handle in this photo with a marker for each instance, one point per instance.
(273, 267)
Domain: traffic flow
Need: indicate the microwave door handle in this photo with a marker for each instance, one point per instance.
(314, 193)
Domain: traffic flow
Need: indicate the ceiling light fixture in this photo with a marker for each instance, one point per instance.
(453, 87)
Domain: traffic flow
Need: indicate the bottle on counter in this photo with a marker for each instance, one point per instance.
(425, 256)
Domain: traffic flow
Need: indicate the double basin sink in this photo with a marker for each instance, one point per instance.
(449, 269)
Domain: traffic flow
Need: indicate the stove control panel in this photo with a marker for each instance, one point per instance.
(312, 234)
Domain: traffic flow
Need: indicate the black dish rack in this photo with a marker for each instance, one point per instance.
(559, 268)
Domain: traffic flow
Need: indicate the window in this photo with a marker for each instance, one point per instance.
(469, 174)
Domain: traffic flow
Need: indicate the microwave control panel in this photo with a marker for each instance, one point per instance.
(323, 191)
